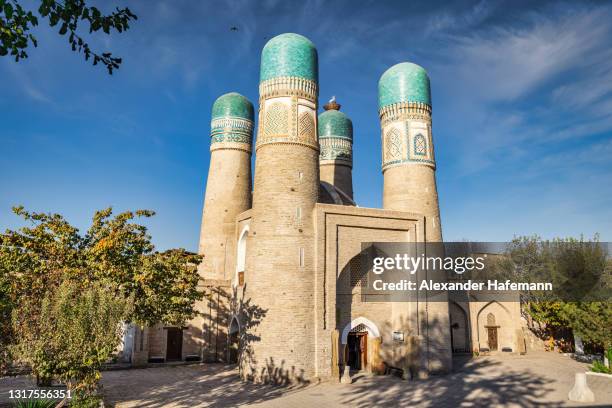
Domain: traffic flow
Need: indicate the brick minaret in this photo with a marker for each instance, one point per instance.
(279, 276)
(228, 188)
(408, 165)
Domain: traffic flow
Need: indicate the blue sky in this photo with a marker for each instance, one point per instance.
(522, 109)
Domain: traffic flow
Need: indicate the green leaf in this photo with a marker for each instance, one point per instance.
(8, 11)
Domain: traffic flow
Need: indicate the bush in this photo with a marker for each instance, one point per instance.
(77, 330)
(35, 403)
(599, 367)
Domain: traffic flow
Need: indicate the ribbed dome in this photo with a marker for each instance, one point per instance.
(289, 55)
(336, 124)
(404, 82)
(232, 104)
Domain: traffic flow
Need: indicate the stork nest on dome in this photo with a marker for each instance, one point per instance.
(332, 105)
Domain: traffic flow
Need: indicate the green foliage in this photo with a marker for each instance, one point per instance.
(579, 271)
(85, 401)
(67, 291)
(590, 320)
(114, 250)
(76, 330)
(550, 313)
(35, 403)
(16, 24)
(599, 367)
(165, 288)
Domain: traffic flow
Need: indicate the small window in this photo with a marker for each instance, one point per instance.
(298, 213)
(301, 256)
(490, 319)
(420, 145)
(240, 278)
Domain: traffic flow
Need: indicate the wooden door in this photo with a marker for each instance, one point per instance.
(363, 350)
(492, 332)
(174, 345)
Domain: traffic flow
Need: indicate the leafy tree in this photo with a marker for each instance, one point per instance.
(71, 333)
(116, 252)
(17, 22)
(581, 275)
(592, 321)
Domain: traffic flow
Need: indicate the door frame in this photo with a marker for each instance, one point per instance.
(362, 339)
(180, 343)
(489, 330)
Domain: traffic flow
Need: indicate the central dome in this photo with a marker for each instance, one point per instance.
(335, 124)
(289, 55)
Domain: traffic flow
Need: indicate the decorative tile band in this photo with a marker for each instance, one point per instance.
(288, 86)
(231, 133)
(336, 151)
(406, 137)
(404, 111)
(288, 119)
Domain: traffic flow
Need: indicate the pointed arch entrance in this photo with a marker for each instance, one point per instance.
(459, 329)
(233, 341)
(357, 350)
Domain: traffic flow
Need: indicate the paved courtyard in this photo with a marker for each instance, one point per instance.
(538, 379)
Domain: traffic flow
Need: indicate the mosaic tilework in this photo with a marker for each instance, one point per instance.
(231, 132)
(336, 150)
(406, 142)
(420, 145)
(232, 105)
(306, 125)
(333, 123)
(276, 120)
(289, 55)
(404, 82)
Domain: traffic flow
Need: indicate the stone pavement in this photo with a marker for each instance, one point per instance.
(537, 379)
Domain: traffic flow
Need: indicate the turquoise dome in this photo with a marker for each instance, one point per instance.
(333, 123)
(289, 55)
(404, 82)
(232, 104)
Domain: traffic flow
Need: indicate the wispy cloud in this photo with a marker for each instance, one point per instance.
(448, 21)
(502, 64)
(29, 86)
(551, 59)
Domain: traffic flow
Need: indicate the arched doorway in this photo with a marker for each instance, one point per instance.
(233, 341)
(241, 249)
(356, 353)
(492, 338)
(493, 323)
(356, 337)
(459, 328)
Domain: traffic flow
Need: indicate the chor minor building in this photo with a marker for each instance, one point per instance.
(281, 247)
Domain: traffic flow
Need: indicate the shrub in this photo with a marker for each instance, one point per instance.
(599, 367)
(35, 403)
(77, 330)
